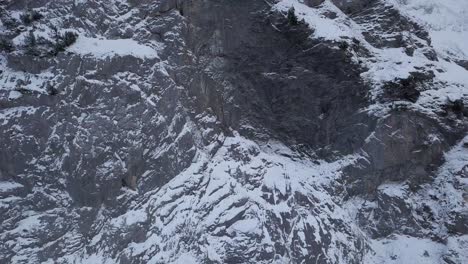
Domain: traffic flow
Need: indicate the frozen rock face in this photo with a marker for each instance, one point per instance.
(276, 80)
(216, 131)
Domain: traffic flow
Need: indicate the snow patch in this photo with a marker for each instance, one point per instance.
(324, 27)
(446, 21)
(9, 186)
(393, 189)
(104, 48)
(14, 95)
(404, 249)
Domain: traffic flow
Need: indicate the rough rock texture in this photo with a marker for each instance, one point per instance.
(218, 131)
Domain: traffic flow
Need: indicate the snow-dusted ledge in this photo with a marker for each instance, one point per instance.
(103, 48)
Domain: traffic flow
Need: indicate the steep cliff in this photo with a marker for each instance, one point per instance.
(233, 131)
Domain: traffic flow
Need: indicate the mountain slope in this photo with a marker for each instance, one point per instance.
(177, 131)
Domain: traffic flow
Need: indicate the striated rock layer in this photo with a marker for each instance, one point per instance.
(221, 131)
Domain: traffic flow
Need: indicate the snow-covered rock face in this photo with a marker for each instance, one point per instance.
(219, 131)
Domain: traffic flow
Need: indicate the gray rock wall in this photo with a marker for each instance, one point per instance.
(241, 117)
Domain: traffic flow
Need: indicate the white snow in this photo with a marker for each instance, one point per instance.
(324, 28)
(14, 95)
(185, 258)
(10, 114)
(393, 189)
(6, 186)
(11, 80)
(453, 73)
(103, 48)
(130, 218)
(404, 249)
(447, 22)
(247, 226)
(391, 64)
